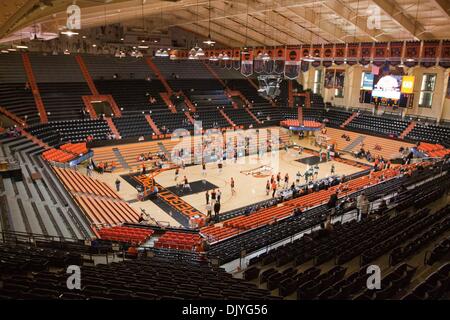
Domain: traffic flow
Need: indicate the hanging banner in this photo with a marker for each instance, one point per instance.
(448, 88)
(444, 60)
(365, 53)
(395, 53)
(236, 59)
(229, 59)
(247, 63)
(258, 63)
(292, 63)
(380, 53)
(329, 78)
(352, 53)
(327, 55)
(429, 53)
(339, 79)
(412, 51)
(306, 53)
(317, 55)
(339, 53)
(268, 64)
(278, 66)
(304, 66)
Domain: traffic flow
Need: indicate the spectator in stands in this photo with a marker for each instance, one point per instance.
(362, 206)
(117, 184)
(332, 202)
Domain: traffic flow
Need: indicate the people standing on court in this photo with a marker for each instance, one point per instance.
(233, 190)
(213, 196)
(117, 185)
(207, 196)
(219, 195)
(333, 169)
(216, 208)
(267, 188)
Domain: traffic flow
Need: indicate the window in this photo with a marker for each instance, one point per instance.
(317, 88)
(339, 92)
(427, 90)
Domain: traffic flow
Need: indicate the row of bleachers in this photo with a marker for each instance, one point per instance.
(172, 121)
(378, 125)
(245, 87)
(103, 67)
(20, 101)
(179, 241)
(63, 100)
(133, 96)
(211, 119)
(154, 278)
(431, 133)
(133, 126)
(133, 236)
(56, 69)
(12, 70)
(205, 100)
(57, 155)
(240, 117)
(186, 69)
(73, 131)
(79, 183)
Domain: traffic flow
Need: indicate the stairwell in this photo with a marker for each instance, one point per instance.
(227, 118)
(19, 121)
(408, 129)
(113, 127)
(189, 117)
(215, 75)
(354, 143)
(252, 115)
(114, 107)
(89, 107)
(349, 119)
(36, 94)
(152, 124)
(158, 74)
(188, 102)
(86, 75)
(166, 99)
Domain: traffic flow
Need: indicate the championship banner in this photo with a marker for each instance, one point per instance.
(317, 54)
(306, 53)
(258, 62)
(268, 65)
(292, 63)
(395, 53)
(329, 78)
(327, 55)
(236, 59)
(229, 61)
(448, 88)
(365, 53)
(279, 58)
(444, 60)
(412, 51)
(429, 53)
(352, 53)
(339, 53)
(247, 63)
(380, 53)
(339, 79)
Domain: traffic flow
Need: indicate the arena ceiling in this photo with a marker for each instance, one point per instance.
(262, 22)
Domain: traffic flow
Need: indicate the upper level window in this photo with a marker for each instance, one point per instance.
(427, 90)
(317, 81)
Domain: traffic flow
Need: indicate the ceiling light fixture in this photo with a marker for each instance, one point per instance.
(209, 41)
(69, 33)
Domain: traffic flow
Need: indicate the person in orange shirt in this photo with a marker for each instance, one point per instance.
(274, 188)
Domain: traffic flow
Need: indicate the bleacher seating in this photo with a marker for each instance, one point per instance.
(133, 126)
(378, 125)
(63, 100)
(430, 133)
(57, 155)
(20, 101)
(133, 236)
(179, 241)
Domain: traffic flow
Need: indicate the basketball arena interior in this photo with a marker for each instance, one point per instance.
(254, 150)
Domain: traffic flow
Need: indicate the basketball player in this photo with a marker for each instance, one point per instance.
(267, 188)
(298, 176)
(332, 169)
(177, 173)
(316, 171)
(286, 181)
(233, 191)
